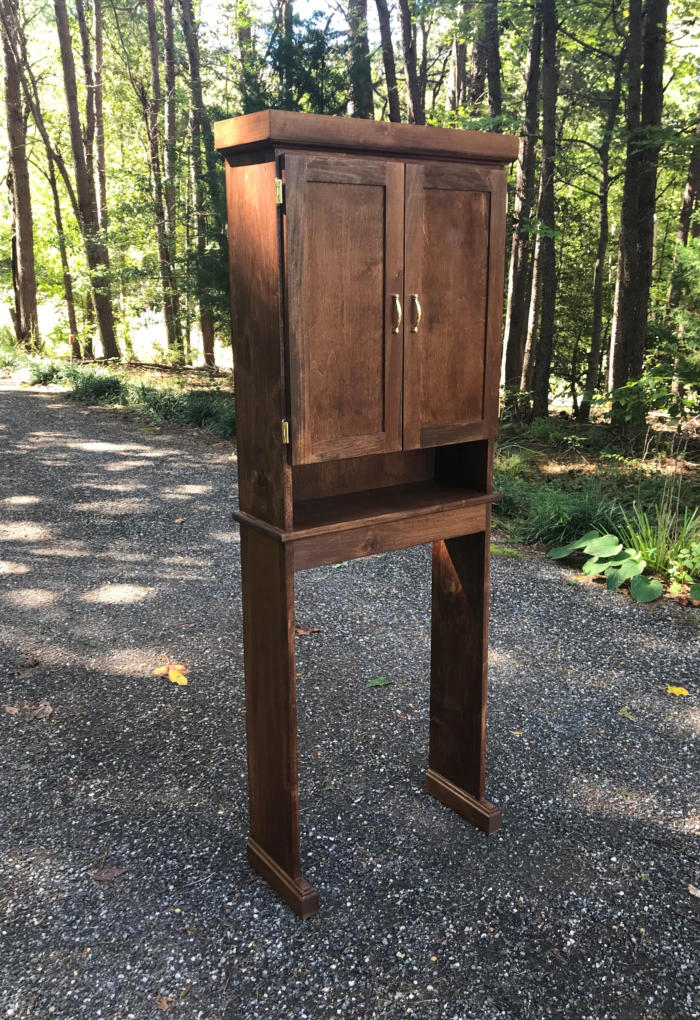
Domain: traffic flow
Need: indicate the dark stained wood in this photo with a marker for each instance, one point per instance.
(344, 233)
(263, 473)
(448, 212)
(384, 536)
(280, 127)
(353, 474)
(458, 663)
(268, 637)
(391, 433)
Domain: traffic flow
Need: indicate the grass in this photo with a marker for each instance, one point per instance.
(209, 408)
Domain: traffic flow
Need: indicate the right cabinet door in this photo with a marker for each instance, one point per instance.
(453, 291)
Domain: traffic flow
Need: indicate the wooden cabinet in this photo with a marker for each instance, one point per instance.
(366, 291)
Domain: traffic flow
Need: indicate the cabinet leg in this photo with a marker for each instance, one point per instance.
(271, 718)
(458, 685)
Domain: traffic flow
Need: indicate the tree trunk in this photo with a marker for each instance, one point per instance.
(392, 87)
(521, 251)
(206, 319)
(594, 354)
(457, 77)
(533, 315)
(646, 51)
(477, 73)
(247, 80)
(690, 195)
(95, 250)
(151, 109)
(547, 267)
(99, 117)
(360, 68)
(416, 104)
(24, 274)
(169, 151)
(67, 278)
(493, 62)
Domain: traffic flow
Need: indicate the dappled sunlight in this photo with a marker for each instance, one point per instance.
(110, 487)
(118, 594)
(224, 536)
(113, 507)
(23, 531)
(612, 802)
(68, 549)
(21, 500)
(124, 465)
(9, 567)
(190, 490)
(99, 446)
(29, 598)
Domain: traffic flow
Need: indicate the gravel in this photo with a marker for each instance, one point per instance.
(119, 555)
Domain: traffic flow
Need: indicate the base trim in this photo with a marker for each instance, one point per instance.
(301, 897)
(481, 813)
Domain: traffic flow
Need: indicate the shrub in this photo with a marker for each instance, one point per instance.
(557, 517)
(97, 387)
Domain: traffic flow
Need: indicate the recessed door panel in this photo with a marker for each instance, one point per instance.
(344, 225)
(449, 260)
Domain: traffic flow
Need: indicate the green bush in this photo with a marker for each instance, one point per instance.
(515, 495)
(45, 371)
(97, 387)
(556, 516)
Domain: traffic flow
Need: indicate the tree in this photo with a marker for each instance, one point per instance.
(416, 90)
(360, 69)
(392, 87)
(493, 62)
(545, 212)
(645, 62)
(25, 315)
(520, 271)
(95, 248)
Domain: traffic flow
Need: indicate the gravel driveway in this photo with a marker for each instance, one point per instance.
(124, 889)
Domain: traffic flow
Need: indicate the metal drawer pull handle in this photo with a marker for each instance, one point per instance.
(418, 313)
(395, 313)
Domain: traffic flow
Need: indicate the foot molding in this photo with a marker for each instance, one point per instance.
(301, 897)
(481, 813)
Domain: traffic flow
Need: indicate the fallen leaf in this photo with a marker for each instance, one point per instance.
(337, 565)
(150, 428)
(162, 670)
(517, 733)
(693, 890)
(86, 952)
(305, 631)
(176, 677)
(678, 691)
(163, 1002)
(626, 714)
(108, 874)
(380, 681)
(41, 711)
(11, 709)
(179, 520)
(185, 991)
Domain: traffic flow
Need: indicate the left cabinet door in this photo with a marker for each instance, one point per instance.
(343, 296)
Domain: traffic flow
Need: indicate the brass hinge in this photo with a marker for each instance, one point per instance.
(285, 431)
(279, 191)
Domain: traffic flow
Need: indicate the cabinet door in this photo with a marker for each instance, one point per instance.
(344, 281)
(453, 292)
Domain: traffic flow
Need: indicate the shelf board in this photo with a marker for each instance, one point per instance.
(375, 506)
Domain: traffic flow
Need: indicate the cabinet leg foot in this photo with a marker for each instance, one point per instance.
(301, 897)
(481, 813)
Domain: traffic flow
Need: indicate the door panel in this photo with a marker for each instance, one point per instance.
(344, 239)
(449, 261)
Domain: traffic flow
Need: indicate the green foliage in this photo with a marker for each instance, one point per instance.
(669, 541)
(558, 516)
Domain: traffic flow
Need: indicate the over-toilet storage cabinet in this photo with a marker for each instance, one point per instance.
(366, 294)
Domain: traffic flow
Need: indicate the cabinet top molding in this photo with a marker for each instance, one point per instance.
(270, 128)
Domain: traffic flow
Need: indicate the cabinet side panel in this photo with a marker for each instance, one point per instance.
(264, 475)
(494, 327)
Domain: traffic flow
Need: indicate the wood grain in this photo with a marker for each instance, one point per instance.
(280, 127)
(263, 473)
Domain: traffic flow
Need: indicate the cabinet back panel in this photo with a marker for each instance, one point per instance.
(355, 474)
(453, 328)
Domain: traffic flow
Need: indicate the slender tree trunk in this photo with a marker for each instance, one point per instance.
(95, 250)
(65, 267)
(416, 104)
(547, 264)
(206, 318)
(493, 62)
(521, 251)
(247, 80)
(477, 73)
(647, 44)
(169, 147)
(457, 77)
(533, 316)
(24, 273)
(360, 68)
(151, 111)
(392, 87)
(99, 118)
(594, 354)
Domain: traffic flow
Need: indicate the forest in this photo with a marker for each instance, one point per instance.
(113, 217)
